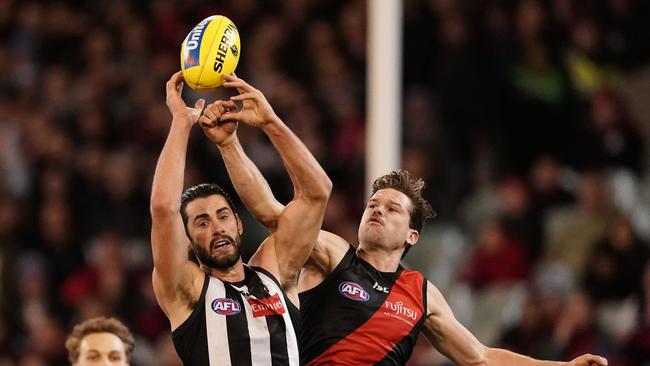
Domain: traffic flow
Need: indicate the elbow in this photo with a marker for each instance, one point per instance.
(485, 356)
(322, 190)
(270, 222)
(159, 208)
(478, 356)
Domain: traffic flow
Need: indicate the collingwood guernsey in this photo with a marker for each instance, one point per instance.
(240, 323)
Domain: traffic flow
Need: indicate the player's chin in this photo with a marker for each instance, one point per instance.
(372, 233)
(225, 260)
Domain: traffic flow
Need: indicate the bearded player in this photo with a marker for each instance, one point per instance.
(222, 311)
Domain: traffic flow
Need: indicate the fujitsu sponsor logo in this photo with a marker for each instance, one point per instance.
(398, 308)
(268, 306)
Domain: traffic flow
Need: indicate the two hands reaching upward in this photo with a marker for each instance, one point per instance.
(219, 119)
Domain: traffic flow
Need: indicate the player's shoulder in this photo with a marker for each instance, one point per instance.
(332, 242)
(265, 256)
(178, 299)
(331, 247)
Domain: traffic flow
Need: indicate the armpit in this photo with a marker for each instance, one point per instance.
(185, 295)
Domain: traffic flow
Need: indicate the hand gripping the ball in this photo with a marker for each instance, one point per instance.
(220, 131)
(179, 110)
(256, 110)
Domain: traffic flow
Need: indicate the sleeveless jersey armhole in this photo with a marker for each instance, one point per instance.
(198, 307)
(344, 263)
(272, 277)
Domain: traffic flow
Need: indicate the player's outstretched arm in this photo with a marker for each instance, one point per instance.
(169, 242)
(251, 187)
(300, 221)
(257, 196)
(453, 340)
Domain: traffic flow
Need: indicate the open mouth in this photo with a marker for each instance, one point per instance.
(219, 243)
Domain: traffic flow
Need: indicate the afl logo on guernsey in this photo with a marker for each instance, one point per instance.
(225, 306)
(353, 291)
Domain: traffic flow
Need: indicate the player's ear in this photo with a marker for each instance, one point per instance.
(240, 226)
(412, 237)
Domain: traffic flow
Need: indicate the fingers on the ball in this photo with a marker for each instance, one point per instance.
(174, 79)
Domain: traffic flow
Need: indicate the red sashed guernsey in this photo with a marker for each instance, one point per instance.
(361, 316)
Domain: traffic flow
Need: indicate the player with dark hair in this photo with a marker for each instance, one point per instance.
(359, 306)
(100, 341)
(223, 311)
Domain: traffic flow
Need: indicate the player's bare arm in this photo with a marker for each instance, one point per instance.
(328, 252)
(248, 181)
(176, 281)
(255, 193)
(453, 340)
(298, 223)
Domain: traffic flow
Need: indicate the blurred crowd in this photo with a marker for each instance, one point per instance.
(527, 118)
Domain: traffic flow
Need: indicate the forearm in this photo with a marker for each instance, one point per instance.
(308, 177)
(497, 357)
(168, 178)
(251, 187)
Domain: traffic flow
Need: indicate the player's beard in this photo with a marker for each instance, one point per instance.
(223, 262)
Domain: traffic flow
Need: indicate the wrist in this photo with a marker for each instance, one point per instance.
(229, 141)
(181, 121)
(271, 123)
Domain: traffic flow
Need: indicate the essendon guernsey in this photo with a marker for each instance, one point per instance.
(361, 316)
(239, 324)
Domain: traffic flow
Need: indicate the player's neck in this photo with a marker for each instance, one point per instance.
(235, 273)
(382, 260)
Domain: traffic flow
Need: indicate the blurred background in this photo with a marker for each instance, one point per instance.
(529, 120)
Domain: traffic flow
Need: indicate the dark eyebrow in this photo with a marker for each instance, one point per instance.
(222, 210)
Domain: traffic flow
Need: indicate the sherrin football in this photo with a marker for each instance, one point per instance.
(211, 49)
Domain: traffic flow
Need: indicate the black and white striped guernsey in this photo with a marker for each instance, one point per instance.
(244, 323)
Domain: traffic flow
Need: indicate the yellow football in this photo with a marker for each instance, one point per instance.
(211, 49)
